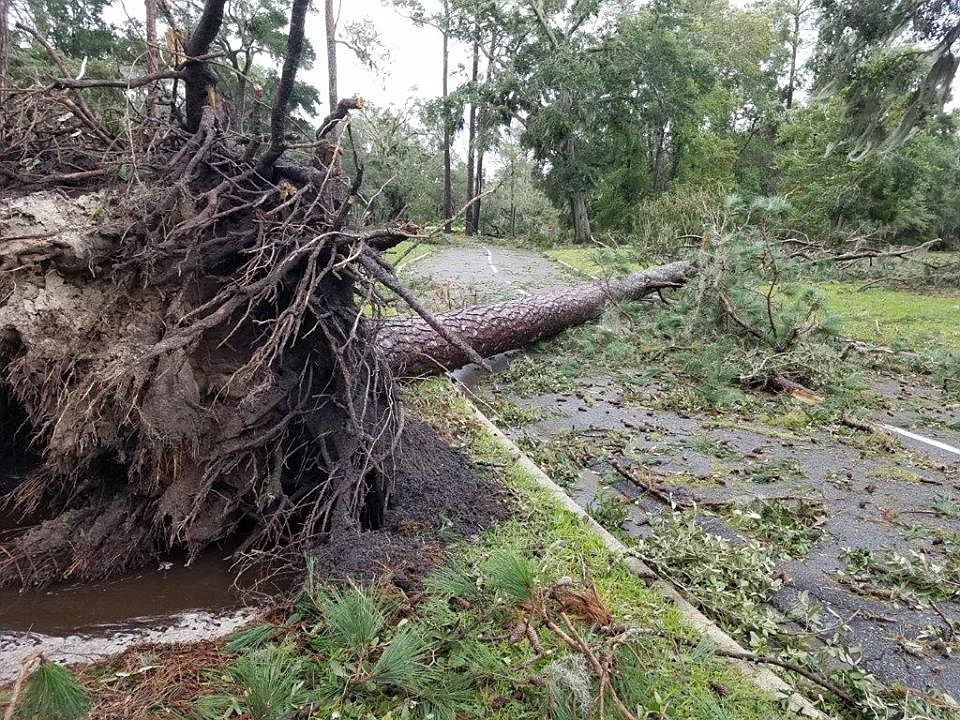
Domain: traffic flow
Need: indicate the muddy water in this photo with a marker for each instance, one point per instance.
(82, 623)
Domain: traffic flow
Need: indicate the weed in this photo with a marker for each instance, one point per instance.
(608, 509)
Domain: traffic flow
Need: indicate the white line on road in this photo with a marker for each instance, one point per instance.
(493, 268)
(920, 438)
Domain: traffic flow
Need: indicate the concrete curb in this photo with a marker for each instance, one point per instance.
(761, 676)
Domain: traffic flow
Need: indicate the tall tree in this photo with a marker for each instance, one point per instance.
(797, 11)
(330, 24)
(470, 225)
(446, 120)
(150, 23)
(894, 61)
(4, 47)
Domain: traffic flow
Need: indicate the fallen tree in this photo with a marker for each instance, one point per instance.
(412, 346)
(186, 351)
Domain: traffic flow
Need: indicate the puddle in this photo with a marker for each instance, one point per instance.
(83, 623)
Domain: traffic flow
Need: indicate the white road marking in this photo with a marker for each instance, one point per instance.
(920, 438)
(493, 268)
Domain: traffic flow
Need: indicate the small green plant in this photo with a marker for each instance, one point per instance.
(401, 664)
(51, 693)
(352, 616)
(608, 509)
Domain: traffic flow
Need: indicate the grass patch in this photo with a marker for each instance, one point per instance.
(894, 317)
(598, 261)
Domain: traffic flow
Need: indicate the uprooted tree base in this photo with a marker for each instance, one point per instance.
(185, 352)
(191, 363)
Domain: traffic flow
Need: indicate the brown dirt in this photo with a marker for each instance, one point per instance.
(438, 492)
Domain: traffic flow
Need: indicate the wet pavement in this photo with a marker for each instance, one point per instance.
(458, 275)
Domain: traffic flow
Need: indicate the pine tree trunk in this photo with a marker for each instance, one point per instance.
(581, 220)
(331, 33)
(447, 175)
(150, 21)
(478, 189)
(4, 48)
(471, 223)
(413, 348)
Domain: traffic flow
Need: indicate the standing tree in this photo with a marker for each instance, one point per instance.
(893, 61)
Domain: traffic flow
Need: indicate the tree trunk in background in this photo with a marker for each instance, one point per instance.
(794, 47)
(150, 13)
(447, 176)
(4, 47)
(331, 29)
(482, 135)
(471, 223)
(412, 347)
(581, 221)
(478, 190)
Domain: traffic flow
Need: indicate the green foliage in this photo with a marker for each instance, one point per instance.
(51, 693)
(893, 63)
(904, 195)
(791, 528)
(353, 617)
(403, 170)
(250, 638)
(510, 575)
(401, 665)
(269, 683)
(731, 583)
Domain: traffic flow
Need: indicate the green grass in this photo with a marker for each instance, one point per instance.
(407, 253)
(596, 261)
(894, 317)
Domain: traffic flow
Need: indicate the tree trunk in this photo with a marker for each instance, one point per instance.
(581, 221)
(4, 49)
(447, 175)
(413, 348)
(794, 46)
(150, 12)
(478, 189)
(331, 28)
(471, 223)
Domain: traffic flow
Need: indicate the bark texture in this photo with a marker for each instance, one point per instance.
(413, 348)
